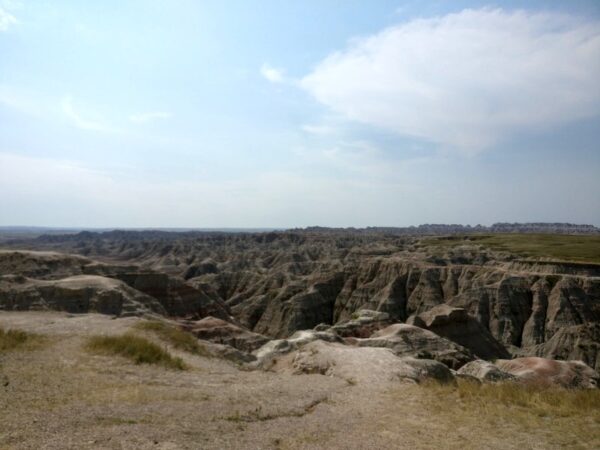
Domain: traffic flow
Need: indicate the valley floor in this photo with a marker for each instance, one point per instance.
(59, 396)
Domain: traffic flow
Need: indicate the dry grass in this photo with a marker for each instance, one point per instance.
(584, 249)
(13, 339)
(540, 400)
(566, 415)
(136, 348)
(176, 337)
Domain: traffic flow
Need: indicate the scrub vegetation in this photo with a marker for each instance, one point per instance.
(135, 348)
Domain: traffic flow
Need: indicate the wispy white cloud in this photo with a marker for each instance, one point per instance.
(358, 159)
(465, 80)
(150, 116)
(6, 19)
(318, 129)
(272, 74)
(20, 100)
(78, 120)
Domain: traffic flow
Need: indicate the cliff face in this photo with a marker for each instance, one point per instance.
(523, 306)
(520, 309)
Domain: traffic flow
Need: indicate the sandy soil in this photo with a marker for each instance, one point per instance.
(61, 397)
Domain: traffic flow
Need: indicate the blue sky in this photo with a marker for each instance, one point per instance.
(283, 114)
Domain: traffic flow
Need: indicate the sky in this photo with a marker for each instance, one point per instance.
(232, 113)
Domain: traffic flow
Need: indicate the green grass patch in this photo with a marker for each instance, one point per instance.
(135, 348)
(181, 340)
(13, 339)
(583, 249)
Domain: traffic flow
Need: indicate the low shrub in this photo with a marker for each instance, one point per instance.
(181, 340)
(135, 348)
(12, 339)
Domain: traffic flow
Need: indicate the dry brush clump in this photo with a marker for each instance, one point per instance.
(135, 348)
(543, 400)
(12, 339)
(565, 414)
(181, 340)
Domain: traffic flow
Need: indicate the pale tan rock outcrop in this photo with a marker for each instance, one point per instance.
(272, 350)
(485, 371)
(363, 365)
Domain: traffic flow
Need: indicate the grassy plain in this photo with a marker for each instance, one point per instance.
(583, 249)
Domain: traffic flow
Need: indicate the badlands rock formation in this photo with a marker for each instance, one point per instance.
(226, 333)
(462, 302)
(49, 280)
(75, 294)
(408, 340)
(458, 326)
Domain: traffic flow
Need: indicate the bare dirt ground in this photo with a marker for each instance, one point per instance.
(59, 396)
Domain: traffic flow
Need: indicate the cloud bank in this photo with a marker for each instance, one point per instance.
(465, 80)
